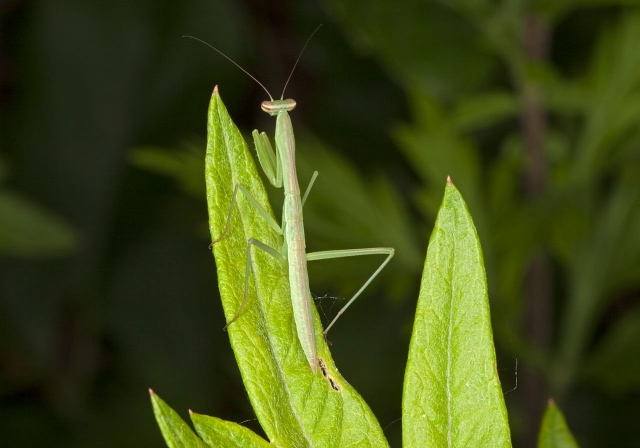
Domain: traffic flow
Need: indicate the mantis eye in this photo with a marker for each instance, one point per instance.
(273, 107)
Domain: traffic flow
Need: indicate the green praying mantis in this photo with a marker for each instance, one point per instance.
(280, 169)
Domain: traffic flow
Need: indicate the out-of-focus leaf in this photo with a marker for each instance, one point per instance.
(222, 434)
(296, 406)
(487, 109)
(346, 208)
(570, 224)
(554, 432)
(29, 231)
(614, 80)
(452, 394)
(606, 259)
(504, 177)
(183, 165)
(610, 364)
(566, 97)
(176, 432)
(436, 149)
(556, 10)
(3, 169)
(424, 43)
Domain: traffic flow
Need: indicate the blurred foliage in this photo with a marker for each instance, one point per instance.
(185, 166)
(28, 231)
(418, 91)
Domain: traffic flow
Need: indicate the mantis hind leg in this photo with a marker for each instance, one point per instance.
(325, 255)
(311, 182)
(268, 249)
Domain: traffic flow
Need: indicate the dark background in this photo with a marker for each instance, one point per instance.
(106, 284)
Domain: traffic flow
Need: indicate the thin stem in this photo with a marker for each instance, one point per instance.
(537, 284)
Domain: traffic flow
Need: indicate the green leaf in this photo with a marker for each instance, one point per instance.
(452, 395)
(295, 406)
(223, 434)
(176, 432)
(554, 432)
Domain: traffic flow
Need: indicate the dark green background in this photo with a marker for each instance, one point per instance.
(106, 284)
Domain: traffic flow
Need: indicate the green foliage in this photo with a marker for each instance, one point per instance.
(28, 230)
(558, 9)
(131, 304)
(184, 166)
(374, 212)
(467, 88)
(586, 213)
(584, 218)
(610, 365)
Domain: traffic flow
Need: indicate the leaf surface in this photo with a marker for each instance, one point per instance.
(452, 395)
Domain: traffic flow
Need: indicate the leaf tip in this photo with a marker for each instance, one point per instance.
(191, 412)
(551, 402)
(215, 90)
(449, 181)
(151, 392)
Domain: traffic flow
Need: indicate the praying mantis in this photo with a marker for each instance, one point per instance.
(280, 169)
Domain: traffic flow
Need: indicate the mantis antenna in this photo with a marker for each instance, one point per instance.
(233, 62)
(298, 60)
(249, 74)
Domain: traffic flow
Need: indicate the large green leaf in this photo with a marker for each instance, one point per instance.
(452, 395)
(295, 406)
(554, 432)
